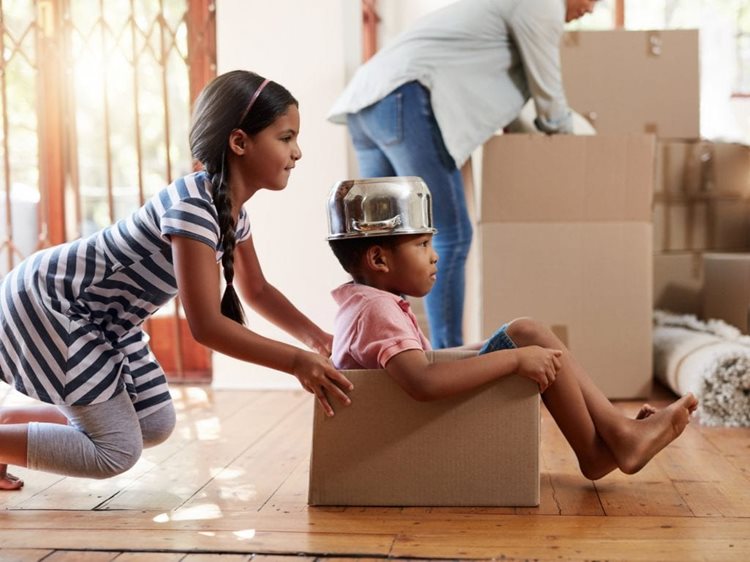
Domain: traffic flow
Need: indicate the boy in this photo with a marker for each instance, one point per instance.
(375, 328)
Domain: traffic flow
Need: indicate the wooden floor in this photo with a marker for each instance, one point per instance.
(231, 484)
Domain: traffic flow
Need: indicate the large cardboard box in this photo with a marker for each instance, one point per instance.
(590, 282)
(678, 282)
(477, 449)
(726, 290)
(565, 236)
(634, 81)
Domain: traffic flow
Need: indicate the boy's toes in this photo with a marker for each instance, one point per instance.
(645, 411)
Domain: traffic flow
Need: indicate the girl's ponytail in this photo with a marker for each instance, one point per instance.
(231, 306)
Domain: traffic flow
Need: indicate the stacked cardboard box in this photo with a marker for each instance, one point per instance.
(727, 288)
(700, 205)
(565, 232)
(565, 237)
(702, 188)
(655, 86)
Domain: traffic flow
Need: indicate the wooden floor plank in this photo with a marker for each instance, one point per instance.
(80, 556)
(150, 557)
(197, 408)
(23, 555)
(218, 558)
(175, 481)
(250, 481)
(238, 541)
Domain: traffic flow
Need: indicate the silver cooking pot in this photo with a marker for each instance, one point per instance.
(379, 207)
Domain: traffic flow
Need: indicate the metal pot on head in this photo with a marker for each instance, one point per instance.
(361, 208)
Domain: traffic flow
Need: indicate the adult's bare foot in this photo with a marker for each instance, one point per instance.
(640, 439)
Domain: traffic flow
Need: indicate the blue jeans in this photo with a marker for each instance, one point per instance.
(398, 136)
(498, 341)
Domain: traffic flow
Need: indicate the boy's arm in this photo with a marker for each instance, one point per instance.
(426, 381)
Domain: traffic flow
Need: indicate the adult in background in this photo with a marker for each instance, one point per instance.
(425, 102)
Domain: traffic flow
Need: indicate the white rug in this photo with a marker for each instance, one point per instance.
(710, 359)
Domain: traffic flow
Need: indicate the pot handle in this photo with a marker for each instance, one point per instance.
(388, 224)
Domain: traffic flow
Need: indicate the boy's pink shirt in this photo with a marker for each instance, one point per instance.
(371, 327)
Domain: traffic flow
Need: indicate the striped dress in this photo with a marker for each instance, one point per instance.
(71, 316)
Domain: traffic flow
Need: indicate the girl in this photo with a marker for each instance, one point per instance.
(71, 317)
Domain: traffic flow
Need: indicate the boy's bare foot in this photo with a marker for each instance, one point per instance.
(645, 411)
(8, 481)
(642, 438)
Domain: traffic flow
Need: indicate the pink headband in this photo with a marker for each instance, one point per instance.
(252, 100)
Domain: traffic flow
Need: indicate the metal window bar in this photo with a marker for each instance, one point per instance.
(44, 38)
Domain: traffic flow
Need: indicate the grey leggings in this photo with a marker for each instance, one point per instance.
(102, 440)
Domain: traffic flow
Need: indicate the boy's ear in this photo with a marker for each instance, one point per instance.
(238, 141)
(376, 259)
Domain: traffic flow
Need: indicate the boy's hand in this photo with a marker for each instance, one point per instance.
(539, 364)
(317, 376)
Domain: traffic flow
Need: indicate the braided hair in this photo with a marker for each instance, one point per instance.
(223, 106)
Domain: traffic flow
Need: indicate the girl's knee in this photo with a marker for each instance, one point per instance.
(527, 331)
(115, 459)
(158, 426)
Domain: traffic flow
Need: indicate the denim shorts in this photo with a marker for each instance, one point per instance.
(498, 341)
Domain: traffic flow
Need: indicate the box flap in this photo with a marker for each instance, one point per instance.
(634, 81)
(527, 177)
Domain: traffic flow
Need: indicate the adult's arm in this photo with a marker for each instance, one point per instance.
(537, 29)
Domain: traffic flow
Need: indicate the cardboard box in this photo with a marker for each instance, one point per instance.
(634, 81)
(701, 223)
(590, 282)
(477, 449)
(727, 169)
(565, 236)
(689, 168)
(678, 282)
(529, 178)
(726, 290)
(679, 168)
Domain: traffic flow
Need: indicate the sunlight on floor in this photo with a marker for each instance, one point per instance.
(202, 512)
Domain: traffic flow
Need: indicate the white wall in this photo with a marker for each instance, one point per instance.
(312, 48)
(307, 47)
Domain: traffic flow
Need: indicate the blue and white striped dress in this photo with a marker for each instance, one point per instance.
(71, 316)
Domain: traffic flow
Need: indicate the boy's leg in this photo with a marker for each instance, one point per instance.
(600, 435)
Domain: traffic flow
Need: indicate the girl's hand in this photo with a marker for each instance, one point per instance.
(539, 364)
(317, 376)
(323, 344)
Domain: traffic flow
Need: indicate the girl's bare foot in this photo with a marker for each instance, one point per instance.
(8, 481)
(639, 440)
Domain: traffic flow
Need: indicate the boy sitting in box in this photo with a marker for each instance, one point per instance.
(381, 232)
